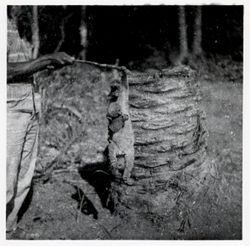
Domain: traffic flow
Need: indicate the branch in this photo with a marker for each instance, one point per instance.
(104, 66)
(62, 37)
(62, 27)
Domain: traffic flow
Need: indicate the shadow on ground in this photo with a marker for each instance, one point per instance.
(98, 176)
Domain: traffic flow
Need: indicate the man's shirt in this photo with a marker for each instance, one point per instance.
(18, 49)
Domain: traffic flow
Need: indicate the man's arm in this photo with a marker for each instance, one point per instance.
(20, 71)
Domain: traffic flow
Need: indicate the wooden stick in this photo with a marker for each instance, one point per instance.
(104, 66)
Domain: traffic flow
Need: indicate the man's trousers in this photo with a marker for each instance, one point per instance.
(22, 144)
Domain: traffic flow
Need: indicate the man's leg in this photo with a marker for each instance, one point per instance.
(25, 170)
(17, 124)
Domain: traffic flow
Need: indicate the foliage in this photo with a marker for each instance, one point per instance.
(218, 68)
(72, 117)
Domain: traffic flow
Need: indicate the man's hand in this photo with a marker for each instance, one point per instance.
(58, 60)
(21, 71)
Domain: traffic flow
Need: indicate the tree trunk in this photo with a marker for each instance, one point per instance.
(35, 32)
(197, 48)
(170, 139)
(62, 31)
(83, 33)
(182, 35)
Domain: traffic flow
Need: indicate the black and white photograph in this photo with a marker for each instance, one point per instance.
(124, 121)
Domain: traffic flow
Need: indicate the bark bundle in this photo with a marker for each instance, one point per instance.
(169, 134)
(167, 122)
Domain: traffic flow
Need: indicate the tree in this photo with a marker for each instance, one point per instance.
(83, 33)
(35, 32)
(183, 43)
(197, 37)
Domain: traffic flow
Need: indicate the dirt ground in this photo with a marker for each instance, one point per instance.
(53, 211)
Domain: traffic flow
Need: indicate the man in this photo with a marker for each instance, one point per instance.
(22, 117)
